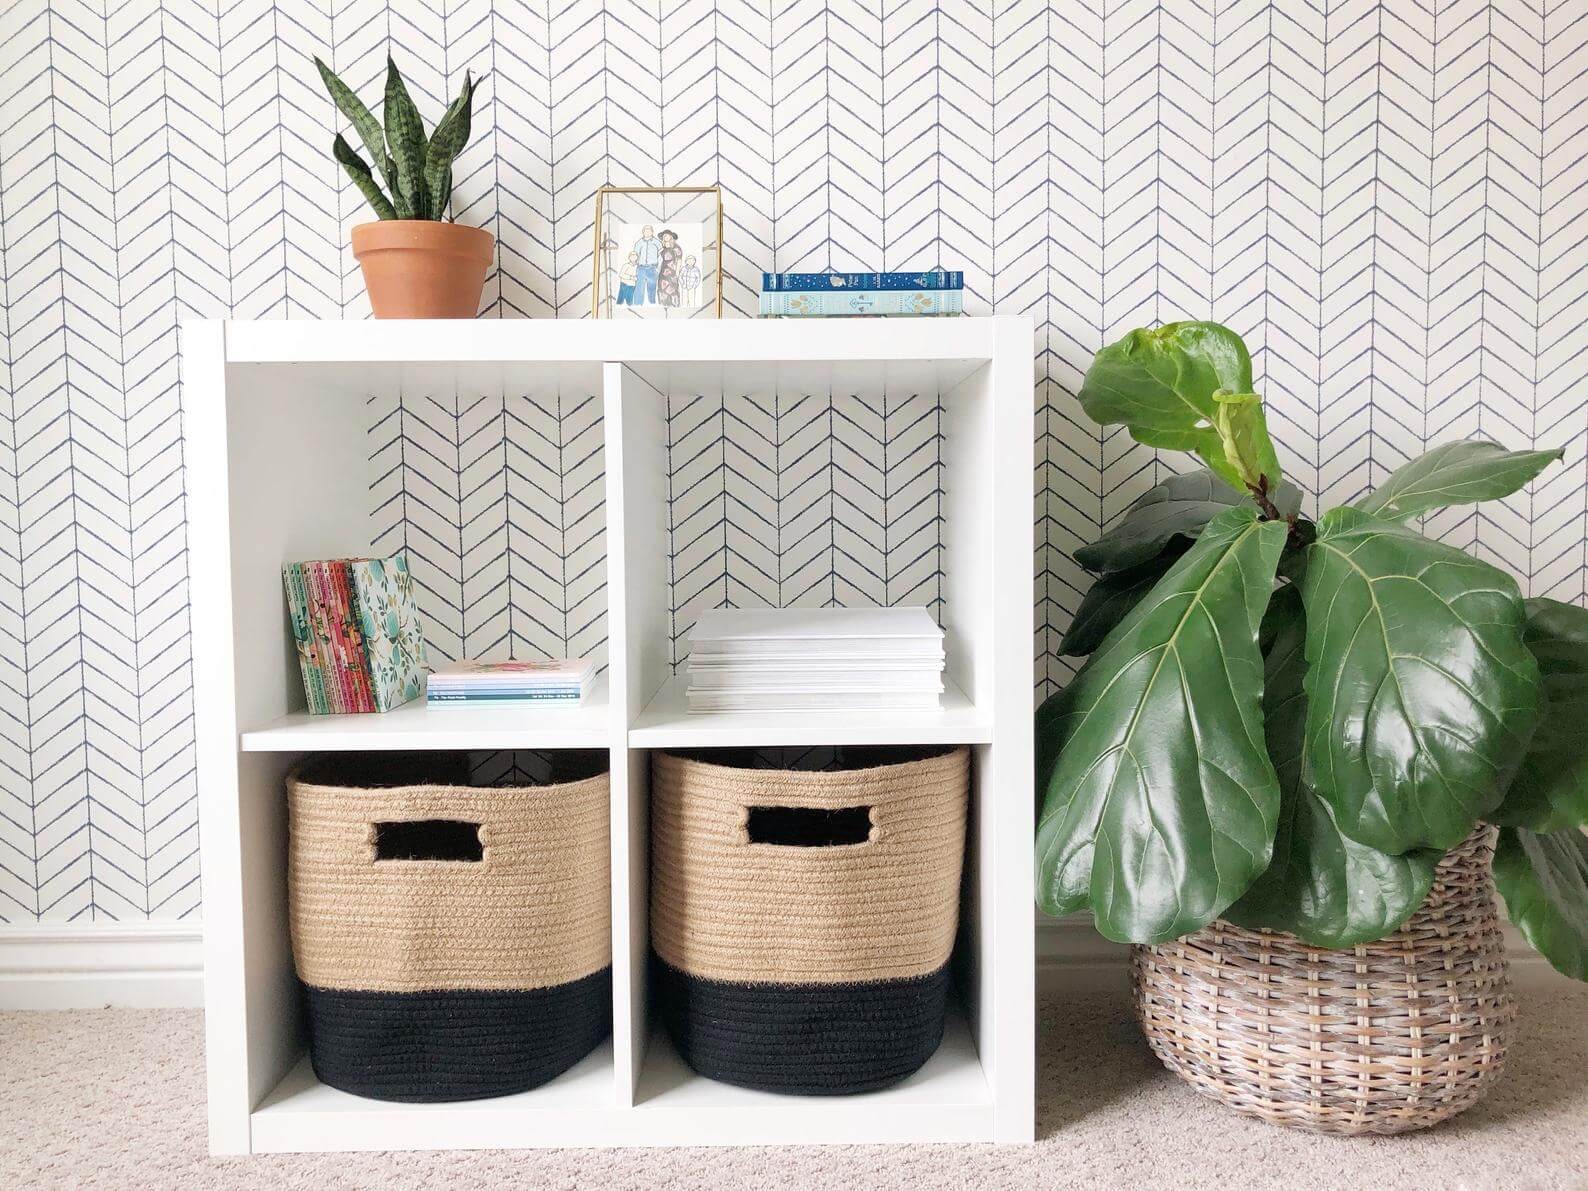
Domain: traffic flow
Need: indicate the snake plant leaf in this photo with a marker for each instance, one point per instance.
(1421, 695)
(1456, 473)
(1544, 880)
(405, 139)
(364, 122)
(1550, 790)
(358, 170)
(446, 142)
(1159, 800)
(1160, 383)
(1322, 886)
(1110, 599)
(1178, 508)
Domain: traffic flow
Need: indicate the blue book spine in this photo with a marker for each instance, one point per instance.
(927, 279)
(838, 303)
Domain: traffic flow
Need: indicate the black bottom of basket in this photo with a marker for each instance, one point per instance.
(427, 1047)
(803, 1039)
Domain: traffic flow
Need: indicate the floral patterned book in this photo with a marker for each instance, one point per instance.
(311, 656)
(328, 635)
(355, 624)
(349, 635)
(393, 638)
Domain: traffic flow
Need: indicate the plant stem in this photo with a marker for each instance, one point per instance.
(1301, 533)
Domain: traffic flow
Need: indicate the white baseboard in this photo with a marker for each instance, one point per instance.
(133, 965)
(1073, 957)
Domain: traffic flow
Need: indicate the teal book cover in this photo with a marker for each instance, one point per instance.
(394, 637)
(840, 303)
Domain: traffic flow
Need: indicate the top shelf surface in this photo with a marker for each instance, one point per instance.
(602, 340)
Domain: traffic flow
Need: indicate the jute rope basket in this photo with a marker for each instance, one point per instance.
(1387, 1037)
(802, 921)
(453, 941)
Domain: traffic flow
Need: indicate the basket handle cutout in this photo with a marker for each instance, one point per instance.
(429, 839)
(808, 826)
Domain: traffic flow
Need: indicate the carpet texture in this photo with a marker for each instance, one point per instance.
(115, 1098)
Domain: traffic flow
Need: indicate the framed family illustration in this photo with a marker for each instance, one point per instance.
(658, 252)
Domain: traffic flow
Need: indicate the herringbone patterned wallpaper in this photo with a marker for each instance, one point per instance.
(1384, 197)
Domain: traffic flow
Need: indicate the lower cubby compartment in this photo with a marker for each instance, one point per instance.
(947, 1100)
(636, 1088)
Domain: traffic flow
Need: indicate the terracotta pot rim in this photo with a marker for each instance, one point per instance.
(423, 235)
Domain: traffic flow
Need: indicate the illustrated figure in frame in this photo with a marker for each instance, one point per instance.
(626, 279)
(647, 256)
(689, 282)
(672, 258)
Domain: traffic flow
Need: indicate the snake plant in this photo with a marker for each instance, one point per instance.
(1285, 721)
(417, 169)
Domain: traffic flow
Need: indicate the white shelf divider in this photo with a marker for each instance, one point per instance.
(272, 495)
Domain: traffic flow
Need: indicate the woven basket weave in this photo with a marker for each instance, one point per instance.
(815, 970)
(433, 979)
(1386, 1037)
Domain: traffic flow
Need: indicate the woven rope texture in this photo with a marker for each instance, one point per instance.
(535, 911)
(804, 1039)
(425, 1048)
(724, 908)
(1386, 1037)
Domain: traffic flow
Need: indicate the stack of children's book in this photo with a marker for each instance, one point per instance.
(356, 625)
(850, 295)
(501, 684)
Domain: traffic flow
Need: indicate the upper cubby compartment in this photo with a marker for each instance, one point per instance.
(489, 476)
(800, 483)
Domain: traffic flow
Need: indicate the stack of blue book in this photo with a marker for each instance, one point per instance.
(854, 295)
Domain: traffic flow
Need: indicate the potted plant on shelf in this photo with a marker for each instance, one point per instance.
(1295, 751)
(417, 262)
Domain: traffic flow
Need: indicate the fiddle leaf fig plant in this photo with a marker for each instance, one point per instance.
(1286, 721)
(416, 169)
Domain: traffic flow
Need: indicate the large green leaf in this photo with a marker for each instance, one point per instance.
(446, 142)
(1159, 797)
(1110, 599)
(1160, 383)
(1544, 880)
(364, 122)
(1177, 508)
(405, 138)
(1550, 790)
(358, 170)
(1456, 473)
(1322, 886)
(1421, 694)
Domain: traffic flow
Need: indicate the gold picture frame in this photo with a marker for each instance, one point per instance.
(663, 273)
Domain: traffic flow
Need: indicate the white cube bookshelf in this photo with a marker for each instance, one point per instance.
(275, 423)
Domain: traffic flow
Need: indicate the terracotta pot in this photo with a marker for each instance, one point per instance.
(423, 268)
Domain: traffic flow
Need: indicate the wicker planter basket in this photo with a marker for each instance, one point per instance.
(454, 942)
(1387, 1037)
(802, 921)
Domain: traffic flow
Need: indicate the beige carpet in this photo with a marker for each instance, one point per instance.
(114, 1098)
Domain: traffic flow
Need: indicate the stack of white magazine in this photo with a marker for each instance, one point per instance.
(815, 659)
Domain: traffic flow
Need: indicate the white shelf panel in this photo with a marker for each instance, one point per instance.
(303, 1114)
(444, 341)
(416, 726)
(666, 722)
(948, 1099)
